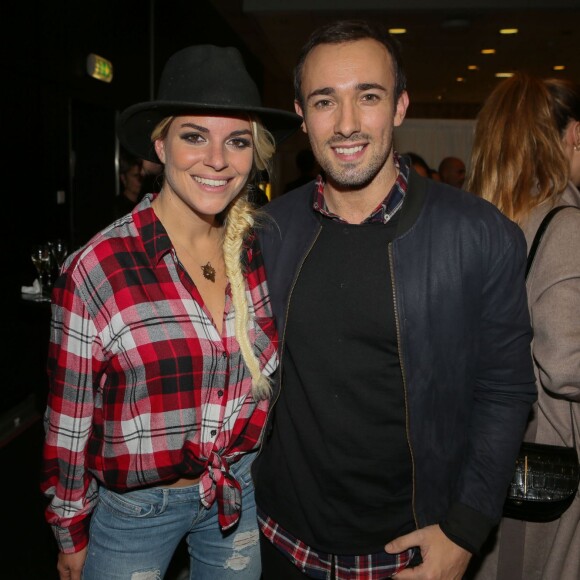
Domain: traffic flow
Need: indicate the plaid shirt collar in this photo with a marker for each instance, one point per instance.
(385, 210)
(155, 240)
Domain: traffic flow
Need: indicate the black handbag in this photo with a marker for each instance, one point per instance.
(544, 484)
(546, 478)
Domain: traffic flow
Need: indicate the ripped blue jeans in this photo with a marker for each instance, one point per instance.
(125, 545)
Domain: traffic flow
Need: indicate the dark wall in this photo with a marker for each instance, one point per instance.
(45, 45)
(58, 128)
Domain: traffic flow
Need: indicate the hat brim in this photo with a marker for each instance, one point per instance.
(136, 123)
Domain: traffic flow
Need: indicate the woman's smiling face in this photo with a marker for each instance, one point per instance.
(207, 160)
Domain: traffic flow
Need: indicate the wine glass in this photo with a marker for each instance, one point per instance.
(42, 260)
(59, 252)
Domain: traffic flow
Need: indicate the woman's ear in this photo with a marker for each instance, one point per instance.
(160, 149)
(575, 129)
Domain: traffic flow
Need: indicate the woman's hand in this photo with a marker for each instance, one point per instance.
(70, 566)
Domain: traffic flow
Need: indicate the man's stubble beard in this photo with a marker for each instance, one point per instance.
(352, 176)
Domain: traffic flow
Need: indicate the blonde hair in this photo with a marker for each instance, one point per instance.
(240, 217)
(517, 160)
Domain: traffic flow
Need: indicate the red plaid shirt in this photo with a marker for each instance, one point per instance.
(321, 565)
(143, 388)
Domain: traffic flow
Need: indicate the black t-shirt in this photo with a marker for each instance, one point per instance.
(336, 471)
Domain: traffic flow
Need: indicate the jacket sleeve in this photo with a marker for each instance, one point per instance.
(503, 395)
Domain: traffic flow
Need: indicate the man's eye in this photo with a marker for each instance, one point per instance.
(322, 104)
(371, 97)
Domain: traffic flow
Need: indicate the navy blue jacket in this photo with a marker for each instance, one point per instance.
(464, 343)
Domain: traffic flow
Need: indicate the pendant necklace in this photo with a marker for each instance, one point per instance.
(207, 270)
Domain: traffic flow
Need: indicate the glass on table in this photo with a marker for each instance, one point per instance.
(59, 252)
(42, 259)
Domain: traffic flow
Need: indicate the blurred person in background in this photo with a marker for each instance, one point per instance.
(418, 164)
(452, 171)
(526, 160)
(131, 179)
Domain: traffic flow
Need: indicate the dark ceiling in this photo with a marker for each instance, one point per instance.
(439, 44)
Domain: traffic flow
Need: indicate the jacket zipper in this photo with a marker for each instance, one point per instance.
(283, 341)
(404, 377)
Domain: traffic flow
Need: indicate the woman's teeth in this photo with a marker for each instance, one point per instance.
(211, 182)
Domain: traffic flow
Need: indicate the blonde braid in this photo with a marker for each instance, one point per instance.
(239, 220)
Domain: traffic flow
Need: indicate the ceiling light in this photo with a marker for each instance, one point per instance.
(559, 67)
(508, 31)
(504, 75)
(472, 67)
(397, 30)
(460, 79)
(488, 51)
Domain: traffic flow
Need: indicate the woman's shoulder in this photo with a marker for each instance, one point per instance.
(564, 224)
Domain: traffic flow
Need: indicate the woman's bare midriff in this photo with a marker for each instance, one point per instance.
(184, 482)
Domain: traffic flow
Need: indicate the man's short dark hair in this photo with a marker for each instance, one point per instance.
(342, 31)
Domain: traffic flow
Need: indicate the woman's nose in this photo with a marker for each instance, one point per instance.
(216, 157)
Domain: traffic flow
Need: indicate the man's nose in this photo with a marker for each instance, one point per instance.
(347, 119)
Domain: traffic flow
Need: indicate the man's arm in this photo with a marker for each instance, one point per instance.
(503, 395)
(500, 403)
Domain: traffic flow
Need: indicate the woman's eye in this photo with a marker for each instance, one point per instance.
(241, 143)
(193, 137)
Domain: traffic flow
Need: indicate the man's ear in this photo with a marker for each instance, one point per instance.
(160, 149)
(299, 111)
(401, 108)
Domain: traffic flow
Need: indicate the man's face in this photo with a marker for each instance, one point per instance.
(349, 111)
(132, 180)
(454, 173)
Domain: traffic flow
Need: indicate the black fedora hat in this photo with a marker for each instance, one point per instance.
(200, 79)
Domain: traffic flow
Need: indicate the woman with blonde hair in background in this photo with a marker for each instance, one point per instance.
(162, 344)
(526, 160)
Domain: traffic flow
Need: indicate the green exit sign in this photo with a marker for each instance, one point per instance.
(100, 68)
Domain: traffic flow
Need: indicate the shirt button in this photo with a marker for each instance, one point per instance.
(220, 393)
(213, 432)
(224, 354)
